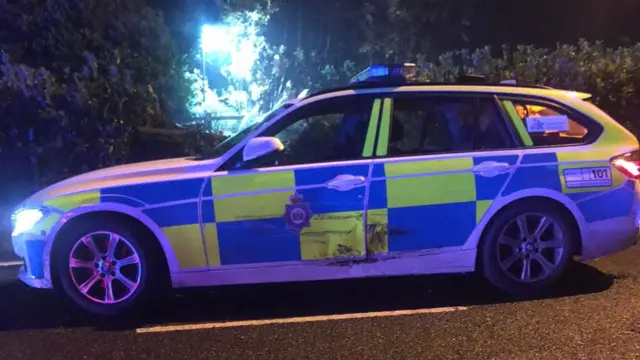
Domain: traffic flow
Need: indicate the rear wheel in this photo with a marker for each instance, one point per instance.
(102, 267)
(528, 247)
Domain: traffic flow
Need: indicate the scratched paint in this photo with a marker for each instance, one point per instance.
(376, 241)
(333, 235)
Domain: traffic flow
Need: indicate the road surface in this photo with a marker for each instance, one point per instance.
(592, 314)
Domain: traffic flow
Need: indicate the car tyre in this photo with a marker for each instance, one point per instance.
(120, 275)
(527, 247)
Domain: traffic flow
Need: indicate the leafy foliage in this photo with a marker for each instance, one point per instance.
(77, 80)
(612, 76)
(401, 30)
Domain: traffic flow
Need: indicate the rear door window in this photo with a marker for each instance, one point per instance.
(432, 124)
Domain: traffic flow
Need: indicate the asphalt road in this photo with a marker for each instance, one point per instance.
(593, 314)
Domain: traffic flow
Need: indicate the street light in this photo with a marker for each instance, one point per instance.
(213, 39)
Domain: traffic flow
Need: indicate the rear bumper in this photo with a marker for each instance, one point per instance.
(609, 237)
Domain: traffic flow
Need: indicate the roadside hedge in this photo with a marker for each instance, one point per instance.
(612, 76)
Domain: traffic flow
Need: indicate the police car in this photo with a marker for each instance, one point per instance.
(383, 177)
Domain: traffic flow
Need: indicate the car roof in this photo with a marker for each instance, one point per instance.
(508, 89)
(514, 89)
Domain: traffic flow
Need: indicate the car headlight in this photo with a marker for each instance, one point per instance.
(25, 219)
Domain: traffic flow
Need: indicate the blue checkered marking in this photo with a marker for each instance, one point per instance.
(175, 214)
(529, 159)
(208, 210)
(378, 189)
(35, 256)
(447, 225)
(540, 176)
(609, 205)
(160, 192)
(488, 188)
(324, 200)
(257, 241)
(119, 199)
(268, 240)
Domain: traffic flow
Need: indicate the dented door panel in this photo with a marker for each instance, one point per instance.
(285, 215)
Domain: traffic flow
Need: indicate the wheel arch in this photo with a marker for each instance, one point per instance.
(133, 216)
(555, 198)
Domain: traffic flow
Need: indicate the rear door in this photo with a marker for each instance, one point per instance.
(306, 206)
(442, 160)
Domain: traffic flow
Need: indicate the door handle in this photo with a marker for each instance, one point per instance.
(346, 182)
(491, 168)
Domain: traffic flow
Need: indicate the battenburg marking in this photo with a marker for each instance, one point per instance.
(297, 215)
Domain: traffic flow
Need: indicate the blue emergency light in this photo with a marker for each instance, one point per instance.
(386, 73)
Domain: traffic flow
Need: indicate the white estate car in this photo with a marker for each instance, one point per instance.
(382, 177)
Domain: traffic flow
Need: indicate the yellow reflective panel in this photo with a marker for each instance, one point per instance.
(211, 241)
(333, 235)
(373, 128)
(383, 137)
(252, 207)
(68, 202)
(186, 242)
(516, 120)
(481, 208)
(45, 224)
(427, 166)
(431, 190)
(378, 231)
(258, 181)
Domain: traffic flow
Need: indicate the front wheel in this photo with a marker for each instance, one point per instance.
(101, 267)
(528, 247)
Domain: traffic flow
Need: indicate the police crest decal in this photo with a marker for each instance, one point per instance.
(297, 214)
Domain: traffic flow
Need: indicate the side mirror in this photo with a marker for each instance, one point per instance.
(261, 146)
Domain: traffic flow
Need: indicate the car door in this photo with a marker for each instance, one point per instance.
(308, 205)
(441, 162)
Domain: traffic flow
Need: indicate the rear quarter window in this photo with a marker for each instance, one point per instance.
(550, 125)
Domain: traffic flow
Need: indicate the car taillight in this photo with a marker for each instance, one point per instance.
(628, 164)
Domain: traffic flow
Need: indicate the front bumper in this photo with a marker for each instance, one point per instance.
(30, 248)
(27, 278)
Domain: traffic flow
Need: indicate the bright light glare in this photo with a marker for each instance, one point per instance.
(25, 220)
(236, 44)
(216, 38)
(234, 48)
(629, 166)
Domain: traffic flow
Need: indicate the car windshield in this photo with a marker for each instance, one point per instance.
(232, 141)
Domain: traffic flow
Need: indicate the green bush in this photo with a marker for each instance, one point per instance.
(80, 81)
(612, 76)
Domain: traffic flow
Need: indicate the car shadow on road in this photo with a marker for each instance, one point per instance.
(25, 308)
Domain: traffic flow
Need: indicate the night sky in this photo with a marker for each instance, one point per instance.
(545, 22)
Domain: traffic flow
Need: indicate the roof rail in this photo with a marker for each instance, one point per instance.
(375, 84)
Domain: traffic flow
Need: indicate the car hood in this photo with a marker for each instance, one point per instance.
(130, 174)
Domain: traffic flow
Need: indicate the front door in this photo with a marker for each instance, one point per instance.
(442, 161)
(306, 206)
